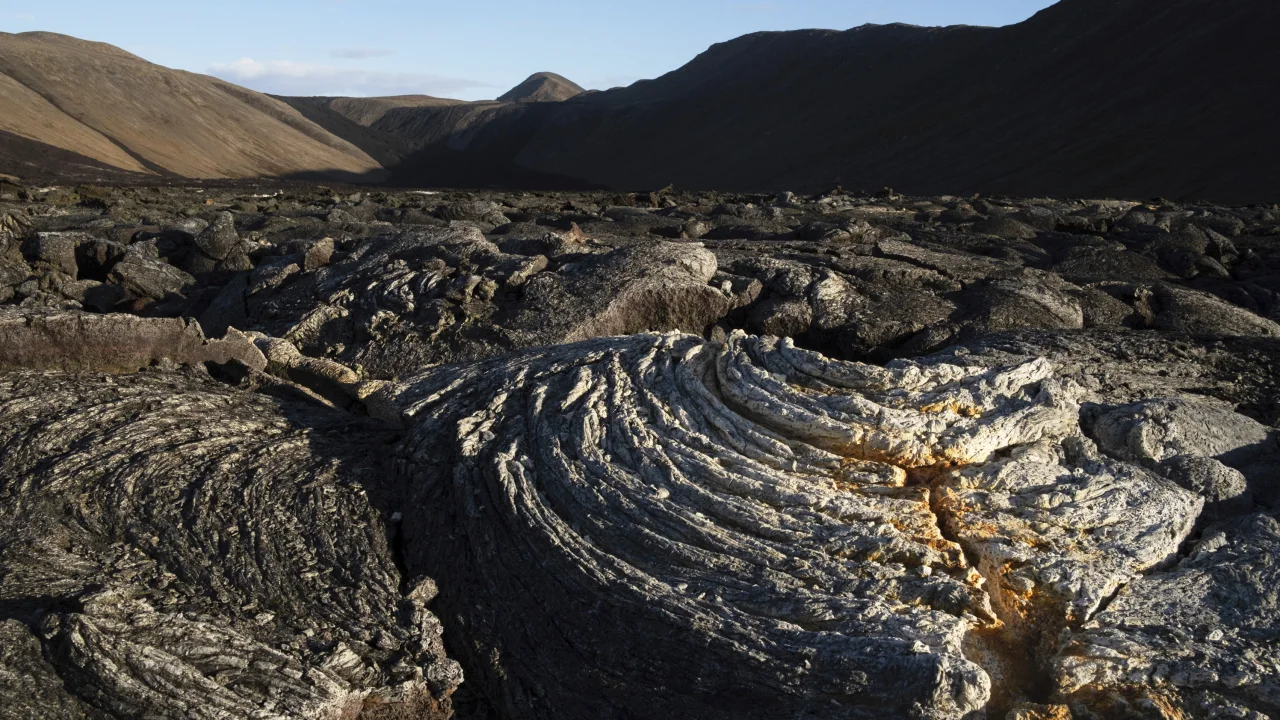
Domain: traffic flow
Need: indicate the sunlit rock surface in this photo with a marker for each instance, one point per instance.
(747, 528)
(414, 439)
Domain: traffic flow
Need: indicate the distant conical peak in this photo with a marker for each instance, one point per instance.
(543, 87)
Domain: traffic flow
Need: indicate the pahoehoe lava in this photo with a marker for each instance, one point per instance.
(299, 452)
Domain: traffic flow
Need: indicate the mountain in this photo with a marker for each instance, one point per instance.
(360, 121)
(423, 140)
(1119, 98)
(69, 107)
(1131, 98)
(543, 87)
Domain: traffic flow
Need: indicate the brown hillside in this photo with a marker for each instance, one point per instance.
(107, 105)
(29, 115)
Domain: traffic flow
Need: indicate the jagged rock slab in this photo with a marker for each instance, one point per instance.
(73, 340)
(402, 301)
(1200, 641)
(1187, 410)
(1057, 529)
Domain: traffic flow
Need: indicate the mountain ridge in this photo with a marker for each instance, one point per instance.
(1014, 109)
(1125, 98)
(1121, 98)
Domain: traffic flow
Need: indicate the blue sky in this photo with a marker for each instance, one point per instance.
(469, 49)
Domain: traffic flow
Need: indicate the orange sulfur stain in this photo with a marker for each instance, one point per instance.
(951, 406)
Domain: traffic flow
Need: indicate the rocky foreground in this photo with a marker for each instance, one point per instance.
(302, 453)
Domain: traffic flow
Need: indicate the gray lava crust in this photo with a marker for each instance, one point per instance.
(304, 454)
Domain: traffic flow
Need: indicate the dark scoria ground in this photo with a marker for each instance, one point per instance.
(295, 452)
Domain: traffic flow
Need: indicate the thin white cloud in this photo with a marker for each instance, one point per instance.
(359, 53)
(25, 17)
(285, 77)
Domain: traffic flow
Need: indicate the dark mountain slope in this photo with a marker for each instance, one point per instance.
(432, 141)
(1089, 97)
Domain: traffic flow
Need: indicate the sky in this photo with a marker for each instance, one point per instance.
(466, 49)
